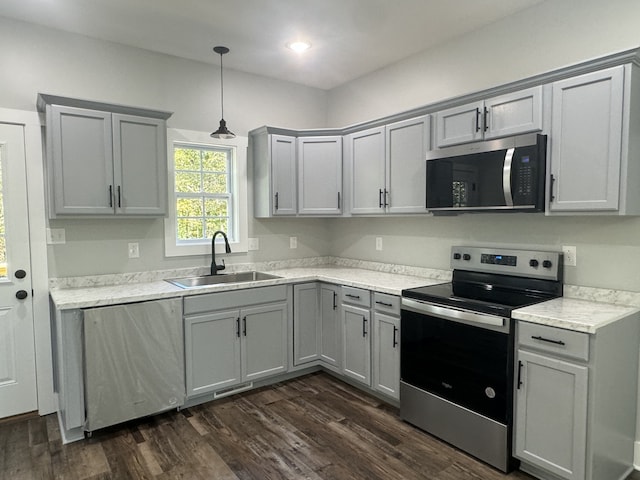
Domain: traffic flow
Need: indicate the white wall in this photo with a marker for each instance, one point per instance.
(548, 36)
(37, 59)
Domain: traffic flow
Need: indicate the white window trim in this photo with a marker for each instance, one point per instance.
(171, 249)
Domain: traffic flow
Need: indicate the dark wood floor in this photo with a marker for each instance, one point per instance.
(314, 427)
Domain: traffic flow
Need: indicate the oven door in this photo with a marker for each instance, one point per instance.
(462, 356)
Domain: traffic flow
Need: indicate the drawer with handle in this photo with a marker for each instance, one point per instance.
(558, 341)
(356, 296)
(386, 303)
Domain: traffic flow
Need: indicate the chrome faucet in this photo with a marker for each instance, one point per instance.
(214, 266)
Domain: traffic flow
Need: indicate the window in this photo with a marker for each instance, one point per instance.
(207, 192)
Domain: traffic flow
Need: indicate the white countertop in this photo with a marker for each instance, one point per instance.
(574, 314)
(97, 296)
(568, 313)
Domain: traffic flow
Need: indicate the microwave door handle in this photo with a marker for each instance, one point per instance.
(506, 177)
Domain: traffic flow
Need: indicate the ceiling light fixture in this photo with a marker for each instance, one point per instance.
(223, 131)
(299, 46)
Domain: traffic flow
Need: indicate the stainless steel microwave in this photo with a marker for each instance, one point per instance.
(506, 174)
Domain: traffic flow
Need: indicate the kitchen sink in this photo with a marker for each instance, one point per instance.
(206, 280)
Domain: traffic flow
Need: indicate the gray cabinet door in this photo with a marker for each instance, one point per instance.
(140, 165)
(367, 171)
(306, 325)
(514, 113)
(320, 175)
(459, 125)
(551, 415)
(331, 331)
(356, 351)
(264, 341)
(283, 175)
(82, 173)
(407, 143)
(386, 354)
(212, 351)
(586, 143)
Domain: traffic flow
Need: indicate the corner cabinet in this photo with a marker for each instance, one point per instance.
(575, 408)
(320, 175)
(104, 160)
(510, 114)
(387, 168)
(595, 145)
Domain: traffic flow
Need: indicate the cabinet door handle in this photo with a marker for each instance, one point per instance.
(338, 200)
(395, 339)
(357, 297)
(364, 326)
(519, 384)
(119, 198)
(276, 200)
(386, 197)
(485, 119)
(384, 303)
(111, 196)
(552, 180)
(380, 198)
(244, 326)
(238, 327)
(335, 300)
(548, 340)
(477, 119)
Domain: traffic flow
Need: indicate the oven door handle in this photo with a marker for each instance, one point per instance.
(453, 314)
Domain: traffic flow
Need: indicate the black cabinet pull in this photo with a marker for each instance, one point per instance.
(384, 303)
(244, 326)
(276, 200)
(335, 300)
(238, 327)
(477, 119)
(386, 195)
(519, 384)
(364, 326)
(552, 180)
(111, 196)
(548, 340)
(380, 198)
(395, 339)
(338, 200)
(484, 120)
(357, 297)
(119, 198)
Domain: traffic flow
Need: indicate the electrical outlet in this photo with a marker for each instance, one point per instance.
(134, 250)
(55, 236)
(254, 244)
(570, 255)
(378, 243)
(293, 242)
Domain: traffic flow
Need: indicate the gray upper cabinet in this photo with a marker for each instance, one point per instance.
(510, 114)
(104, 159)
(387, 167)
(320, 175)
(590, 129)
(274, 174)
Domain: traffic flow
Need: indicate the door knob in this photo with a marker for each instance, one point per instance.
(21, 294)
(20, 273)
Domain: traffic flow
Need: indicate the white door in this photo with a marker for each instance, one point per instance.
(17, 357)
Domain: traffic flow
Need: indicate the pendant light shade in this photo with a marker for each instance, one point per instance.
(222, 131)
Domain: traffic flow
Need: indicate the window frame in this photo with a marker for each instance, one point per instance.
(238, 180)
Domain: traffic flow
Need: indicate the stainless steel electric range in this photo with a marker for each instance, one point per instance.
(457, 346)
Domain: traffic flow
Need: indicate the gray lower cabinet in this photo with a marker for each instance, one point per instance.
(575, 408)
(330, 327)
(104, 159)
(133, 361)
(234, 338)
(386, 344)
(356, 328)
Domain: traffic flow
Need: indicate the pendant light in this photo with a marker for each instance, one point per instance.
(223, 131)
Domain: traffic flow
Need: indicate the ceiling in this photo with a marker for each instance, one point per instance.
(349, 38)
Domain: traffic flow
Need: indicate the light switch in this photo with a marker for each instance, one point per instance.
(134, 250)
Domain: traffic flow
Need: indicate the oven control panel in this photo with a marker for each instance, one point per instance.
(523, 263)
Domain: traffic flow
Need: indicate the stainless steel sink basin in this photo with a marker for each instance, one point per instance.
(206, 280)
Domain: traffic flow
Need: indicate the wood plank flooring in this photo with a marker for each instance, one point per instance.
(314, 427)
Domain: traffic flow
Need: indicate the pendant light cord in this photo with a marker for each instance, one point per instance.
(221, 89)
